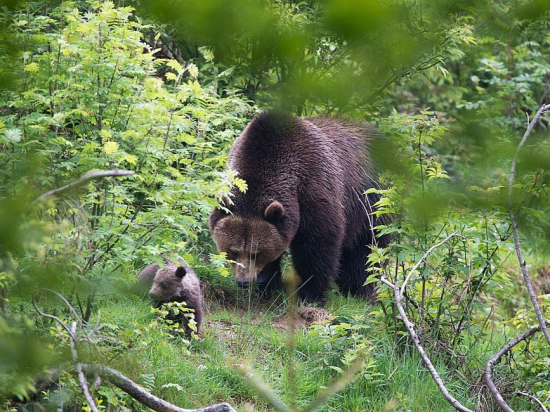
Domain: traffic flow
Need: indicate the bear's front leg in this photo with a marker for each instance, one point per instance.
(269, 279)
(316, 262)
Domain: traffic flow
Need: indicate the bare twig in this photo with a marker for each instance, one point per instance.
(534, 399)
(410, 328)
(49, 316)
(428, 252)
(96, 174)
(73, 338)
(59, 321)
(144, 397)
(65, 301)
(515, 232)
(496, 358)
(81, 376)
(398, 294)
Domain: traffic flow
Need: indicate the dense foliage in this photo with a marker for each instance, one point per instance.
(89, 97)
(163, 88)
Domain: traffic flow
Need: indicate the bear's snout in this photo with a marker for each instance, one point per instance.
(243, 283)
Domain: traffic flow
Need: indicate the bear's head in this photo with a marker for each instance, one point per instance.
(250, 242)
(167, 284)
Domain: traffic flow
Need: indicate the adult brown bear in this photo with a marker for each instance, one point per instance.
(306, 181)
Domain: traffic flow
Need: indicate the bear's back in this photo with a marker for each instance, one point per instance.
(280, 155)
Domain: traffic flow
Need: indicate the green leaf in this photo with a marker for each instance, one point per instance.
(31, 67)
(110, 147)
(193, 71)
(171, 76)
(11, 136)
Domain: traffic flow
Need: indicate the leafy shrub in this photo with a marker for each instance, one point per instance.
(449, 297)
(170, 313)
(532, 358)
(90, 99)
(347, 342)
(92, 95)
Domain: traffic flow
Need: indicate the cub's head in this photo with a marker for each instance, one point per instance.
(250, 242)
(167, 285)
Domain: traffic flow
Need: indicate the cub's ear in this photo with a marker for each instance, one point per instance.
(274, 212)
(181, 272)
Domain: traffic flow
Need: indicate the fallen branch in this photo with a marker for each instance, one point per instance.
(96, 174)
(144, 397)
(113, 376)
(496, 358)
(522, 264)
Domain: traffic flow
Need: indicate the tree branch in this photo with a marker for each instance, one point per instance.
(537, 401)
(74, 340)
(515, 232)
(496, 358)
(410, 328)
(96, 174)
(144, 397)
(428, 252)
(398, 294)
(81, 376)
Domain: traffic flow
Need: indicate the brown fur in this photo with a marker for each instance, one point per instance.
(306, 180)
(145, 278)
(174, 284)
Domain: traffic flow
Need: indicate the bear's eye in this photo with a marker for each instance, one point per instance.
(233, 255)
(164, 285)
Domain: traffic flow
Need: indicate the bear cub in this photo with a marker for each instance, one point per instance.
(306, 180)
(174, 283)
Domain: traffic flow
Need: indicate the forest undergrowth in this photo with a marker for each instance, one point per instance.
(116, 119)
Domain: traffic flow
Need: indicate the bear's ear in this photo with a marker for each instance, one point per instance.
(181, 272)
(274, 212)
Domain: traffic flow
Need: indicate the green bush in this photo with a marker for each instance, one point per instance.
(91, 95)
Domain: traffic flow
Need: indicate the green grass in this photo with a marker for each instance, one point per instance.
(245, 331)
(240, 329)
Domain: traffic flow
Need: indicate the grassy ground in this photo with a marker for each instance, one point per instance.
(296, 365)
(295, 359)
